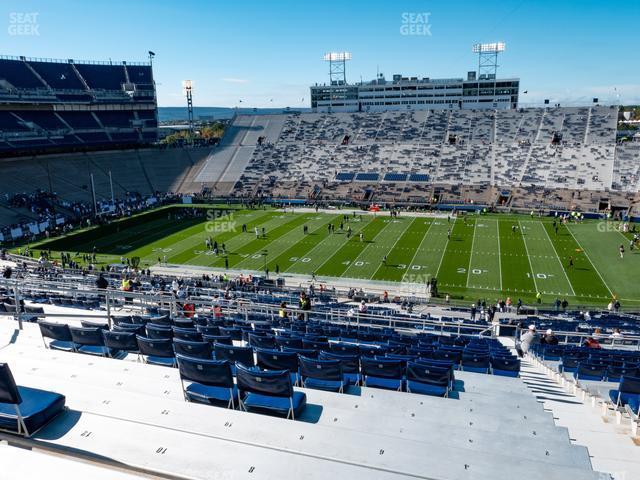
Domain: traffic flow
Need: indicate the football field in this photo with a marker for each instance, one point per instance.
(486, 256)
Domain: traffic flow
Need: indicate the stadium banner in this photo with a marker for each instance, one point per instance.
(152, 201)
(33, 228)
(1, 237)
(187, 200)
(16, 233)
(59, 220)
(43, 226)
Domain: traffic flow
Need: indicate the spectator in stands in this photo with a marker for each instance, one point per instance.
(591, 342)
(101, 282)
(283, 310)
(304, 303)
(7, 272)
(616, 334)
(362, 308)
(549, 338)
(530, 337)
(473, 311)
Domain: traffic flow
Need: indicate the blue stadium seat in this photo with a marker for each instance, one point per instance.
(190, 334)
(58, 334)
(350, 365)
(268, 391)
(156, 351)
(588, 371)
(428, 380)
(233, 354)
(262, 341)
(193, 349)
(627, 392)
(159, 331)
(90, 341)
(276, 360)
(25, 410)
(211, 381)
(382, 373)
(122, 341)
(322, 374)
(505, 366)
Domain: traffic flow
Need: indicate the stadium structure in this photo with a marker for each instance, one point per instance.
(49, 105)
(141, 335)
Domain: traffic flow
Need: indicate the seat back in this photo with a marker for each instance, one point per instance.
(120, 340)
(509, 364)
(230, 353)
(350, 363)
(208, 329)
(129, 328)
(420, 372)
(344, 348)
(159, 331)
(222, 339)
(157, 347)
(192, 349)
(382, 367)
(190, 334)
(100, 325)
(276, 383)
(630, 385)
(87, 336)
(321, 369)
(8, 389)
(215, 373)
(277, 360)
(261, 341)
(589, 371)
(55, 331)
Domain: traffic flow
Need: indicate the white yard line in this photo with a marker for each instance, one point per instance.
(444, 251)
(394, 246)
(588, 258)
(533, 275)
(559, 261)
(499, 259)
(473, 241)
(370, 244)
(424, 237)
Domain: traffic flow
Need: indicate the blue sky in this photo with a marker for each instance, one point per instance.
(268, 53)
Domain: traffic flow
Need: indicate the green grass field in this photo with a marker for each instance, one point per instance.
(484, 258)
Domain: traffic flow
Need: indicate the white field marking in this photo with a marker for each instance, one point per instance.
(361, 226)
(288, 245)
(444, 250)
(353, 237)
(391, 249)
(473, 241)
(417, 250)
(371, 243)
(559, 261)
(589, 258)
(533, 275)
(499, 259)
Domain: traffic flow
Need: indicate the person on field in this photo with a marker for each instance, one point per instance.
(621, 251)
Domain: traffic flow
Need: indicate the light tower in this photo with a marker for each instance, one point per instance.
(488, 58)
(187, 87)
(488, 61)
(337, 67)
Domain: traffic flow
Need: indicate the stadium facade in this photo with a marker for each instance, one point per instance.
(61, 105)
(413, 93)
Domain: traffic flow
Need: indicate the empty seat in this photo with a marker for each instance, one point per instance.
(58, 334)
(627, 393)
(268, 391)
(213, 339)
(192, 349)
(157, 351)
(262, 341)
(475, 363)
(589, 371)
(505, 366)
(122, 341)
(159, 331)
(427, 379)
(25, 410)
(382, 373)
(350, 365)
(211, 381)
(190, 334)
(90, 341)
(277, 360)
(321, 374)
(233, 354)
